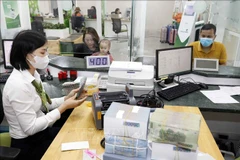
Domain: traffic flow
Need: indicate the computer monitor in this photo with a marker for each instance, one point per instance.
(92, 13)
(7, 46)
(174, 61)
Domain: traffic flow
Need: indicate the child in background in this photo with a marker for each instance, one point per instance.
(104, 49)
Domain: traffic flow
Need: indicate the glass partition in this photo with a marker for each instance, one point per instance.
(148, 19)
(117, 27)
(141, 24)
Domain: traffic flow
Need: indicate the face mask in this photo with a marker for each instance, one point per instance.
(40, 62)
(206, 42)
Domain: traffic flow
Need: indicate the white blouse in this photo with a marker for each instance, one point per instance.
(23, 106)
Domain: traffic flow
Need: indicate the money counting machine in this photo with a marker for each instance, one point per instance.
(102, 101)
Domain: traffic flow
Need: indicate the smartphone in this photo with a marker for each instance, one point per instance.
(81, 85)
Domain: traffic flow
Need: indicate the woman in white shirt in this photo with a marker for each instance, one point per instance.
(25, 104)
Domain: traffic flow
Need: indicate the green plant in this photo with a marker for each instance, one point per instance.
(47, 25)
(67, 18)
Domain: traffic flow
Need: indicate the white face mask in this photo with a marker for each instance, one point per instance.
(40, 62)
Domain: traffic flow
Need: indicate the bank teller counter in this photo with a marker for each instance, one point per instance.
(193, 99)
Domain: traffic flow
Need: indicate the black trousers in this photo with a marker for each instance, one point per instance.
(34, 147)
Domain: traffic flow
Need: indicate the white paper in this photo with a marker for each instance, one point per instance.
(78, 79)
(126, 66)
(218, 96)
(230, 90)
(204, 156)
(75, 145)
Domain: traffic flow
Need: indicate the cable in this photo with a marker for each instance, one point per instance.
(102, 142)
(184, 79)
(150, 100)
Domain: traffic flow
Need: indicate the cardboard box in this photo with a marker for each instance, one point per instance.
(126, 121)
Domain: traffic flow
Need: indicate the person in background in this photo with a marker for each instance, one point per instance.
(104, 49)
(207, 47)
(95, 11)
(117, 11)
(29, 111)
(93, 7)
(90, 43)
(77, 12)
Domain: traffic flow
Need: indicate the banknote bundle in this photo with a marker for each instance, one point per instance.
(126, 146)
(125, 130)
(178, 128)
(127, 121)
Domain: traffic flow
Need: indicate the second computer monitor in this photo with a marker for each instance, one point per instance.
(174, 61)
(7, 46)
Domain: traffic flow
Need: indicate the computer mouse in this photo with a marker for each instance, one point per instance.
(203, 86)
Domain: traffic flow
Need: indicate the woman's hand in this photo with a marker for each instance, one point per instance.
(71, 103)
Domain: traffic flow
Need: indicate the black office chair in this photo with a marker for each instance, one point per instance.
(38, 26)
(6, 152)
(77, 23)
(117, 26)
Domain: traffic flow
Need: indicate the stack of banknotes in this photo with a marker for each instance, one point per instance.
(178, 128)
(126, 146)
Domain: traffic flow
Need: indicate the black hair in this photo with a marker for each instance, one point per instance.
(94, 8)
(116, 10)
(24, 43)
(93, 33)
(209, 27)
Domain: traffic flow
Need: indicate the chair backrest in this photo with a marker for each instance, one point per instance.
(77, 22)
(116, 25)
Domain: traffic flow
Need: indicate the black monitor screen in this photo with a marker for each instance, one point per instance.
(175, 61)
(91, 13)
(7, 46)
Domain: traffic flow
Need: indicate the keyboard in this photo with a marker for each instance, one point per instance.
(4, 77)
(178, 91)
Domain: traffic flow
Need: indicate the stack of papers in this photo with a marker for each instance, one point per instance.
(223, 95)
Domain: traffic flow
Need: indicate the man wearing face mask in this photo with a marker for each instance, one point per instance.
(30, 112)
(207, 47)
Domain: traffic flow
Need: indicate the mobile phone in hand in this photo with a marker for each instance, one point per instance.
(81, 85)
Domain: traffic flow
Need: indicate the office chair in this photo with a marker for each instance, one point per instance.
(117, 26)
(77, 23)
(38, 26)
(6, 152)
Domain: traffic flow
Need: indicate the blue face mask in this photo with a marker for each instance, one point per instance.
(206, 42)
